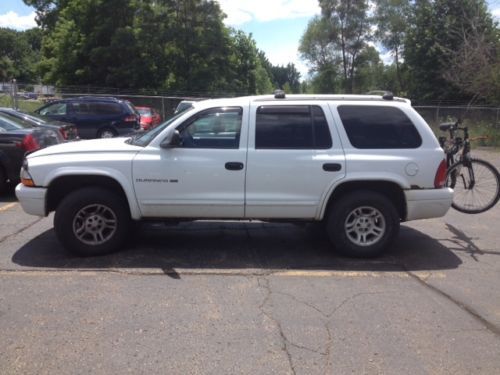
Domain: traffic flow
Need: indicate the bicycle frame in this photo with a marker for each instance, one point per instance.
(454, 150)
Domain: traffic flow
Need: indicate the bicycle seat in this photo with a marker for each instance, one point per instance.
(446, 126)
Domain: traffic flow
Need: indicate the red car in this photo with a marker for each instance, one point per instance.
(150, 117)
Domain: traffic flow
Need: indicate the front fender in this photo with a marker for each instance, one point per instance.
(114, 174)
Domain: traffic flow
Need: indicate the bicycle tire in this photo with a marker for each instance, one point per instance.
(478, 197)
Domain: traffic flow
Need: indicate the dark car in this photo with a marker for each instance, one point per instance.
(16, 139)
(67, 130)
(95, 117)
(150, 117)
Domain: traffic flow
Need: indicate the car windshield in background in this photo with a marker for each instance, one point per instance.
(35, 117)
(17, 120)
(12, 123)
(143, 139)
(144, 111)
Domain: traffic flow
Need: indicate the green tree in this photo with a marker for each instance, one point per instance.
(436, 32)
(322, 55)
(19, 52)
(369, 71)
(286, 77)
(392, 17)
(349, 31)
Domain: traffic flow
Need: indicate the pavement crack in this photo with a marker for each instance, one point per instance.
(463, 306)
(285, 343)
(291, 296)
(20, 230)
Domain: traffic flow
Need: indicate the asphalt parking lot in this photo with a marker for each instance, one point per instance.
(250, 297)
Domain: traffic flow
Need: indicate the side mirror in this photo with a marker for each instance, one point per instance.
(172, 140)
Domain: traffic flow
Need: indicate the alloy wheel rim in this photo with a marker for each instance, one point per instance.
(365, 226)
(95, 224)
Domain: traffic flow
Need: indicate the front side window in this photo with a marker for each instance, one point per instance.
(378, 127)
(292, 127)
(54, 109)
(213, 128)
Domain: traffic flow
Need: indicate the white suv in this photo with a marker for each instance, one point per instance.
(360, 164)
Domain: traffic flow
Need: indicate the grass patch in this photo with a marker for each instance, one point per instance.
(24, 105)
(487, 134)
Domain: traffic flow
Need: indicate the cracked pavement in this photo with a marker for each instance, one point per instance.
(251, 298)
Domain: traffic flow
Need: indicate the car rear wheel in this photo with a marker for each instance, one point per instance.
(92, 221)
(3, 180)
(106, 133)
(362, 224)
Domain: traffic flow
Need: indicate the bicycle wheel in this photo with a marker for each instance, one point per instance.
(476, 186)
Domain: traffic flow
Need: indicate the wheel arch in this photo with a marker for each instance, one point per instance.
(62, 185)
(390, 189)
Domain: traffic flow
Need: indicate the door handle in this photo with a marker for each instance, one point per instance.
(332, 167)
(234, 166)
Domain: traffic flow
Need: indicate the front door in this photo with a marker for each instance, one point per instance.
(202, 177)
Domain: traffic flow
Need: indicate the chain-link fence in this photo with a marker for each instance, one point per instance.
(481, 120)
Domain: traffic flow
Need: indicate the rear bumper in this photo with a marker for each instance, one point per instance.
(32, 199)
(426, 204)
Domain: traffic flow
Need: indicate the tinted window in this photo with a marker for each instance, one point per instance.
(378, 127)
(291, 127)
(214, 128)
(81, 108)
(106, 108)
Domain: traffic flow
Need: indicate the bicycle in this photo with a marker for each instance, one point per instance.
(476, 182)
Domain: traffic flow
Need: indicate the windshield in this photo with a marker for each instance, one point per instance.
(144, 111)
(35, 117)
(143, 139)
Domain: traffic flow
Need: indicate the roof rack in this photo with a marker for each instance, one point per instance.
(279, 94)
(387, 96)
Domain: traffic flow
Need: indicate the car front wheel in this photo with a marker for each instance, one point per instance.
(92, 221)
(362, 224)
(106, 133)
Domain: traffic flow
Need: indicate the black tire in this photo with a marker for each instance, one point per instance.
(92, 221)
(478, 197)
(3, 180)
(106, 133)
(362, 224)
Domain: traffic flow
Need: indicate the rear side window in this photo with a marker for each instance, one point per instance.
(106, 108)
(301, 127)
(378, 127)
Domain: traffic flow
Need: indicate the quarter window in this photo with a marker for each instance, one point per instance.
(292, 127)
(378, 127)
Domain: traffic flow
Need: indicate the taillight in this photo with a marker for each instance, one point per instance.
(130, 118)
(63, 133)
(29, 143)
(440, 178)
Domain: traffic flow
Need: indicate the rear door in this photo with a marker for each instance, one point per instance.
(294, 158)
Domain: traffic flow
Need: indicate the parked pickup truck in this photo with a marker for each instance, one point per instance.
(359, 164)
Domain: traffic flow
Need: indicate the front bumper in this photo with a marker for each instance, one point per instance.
(32, 199)
(429, 203)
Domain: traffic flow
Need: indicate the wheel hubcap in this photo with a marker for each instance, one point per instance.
(94, 224)
(365, 226)
(107, 134)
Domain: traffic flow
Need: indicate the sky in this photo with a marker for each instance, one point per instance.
(276, 25)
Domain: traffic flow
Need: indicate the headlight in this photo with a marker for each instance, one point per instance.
(26, 178)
